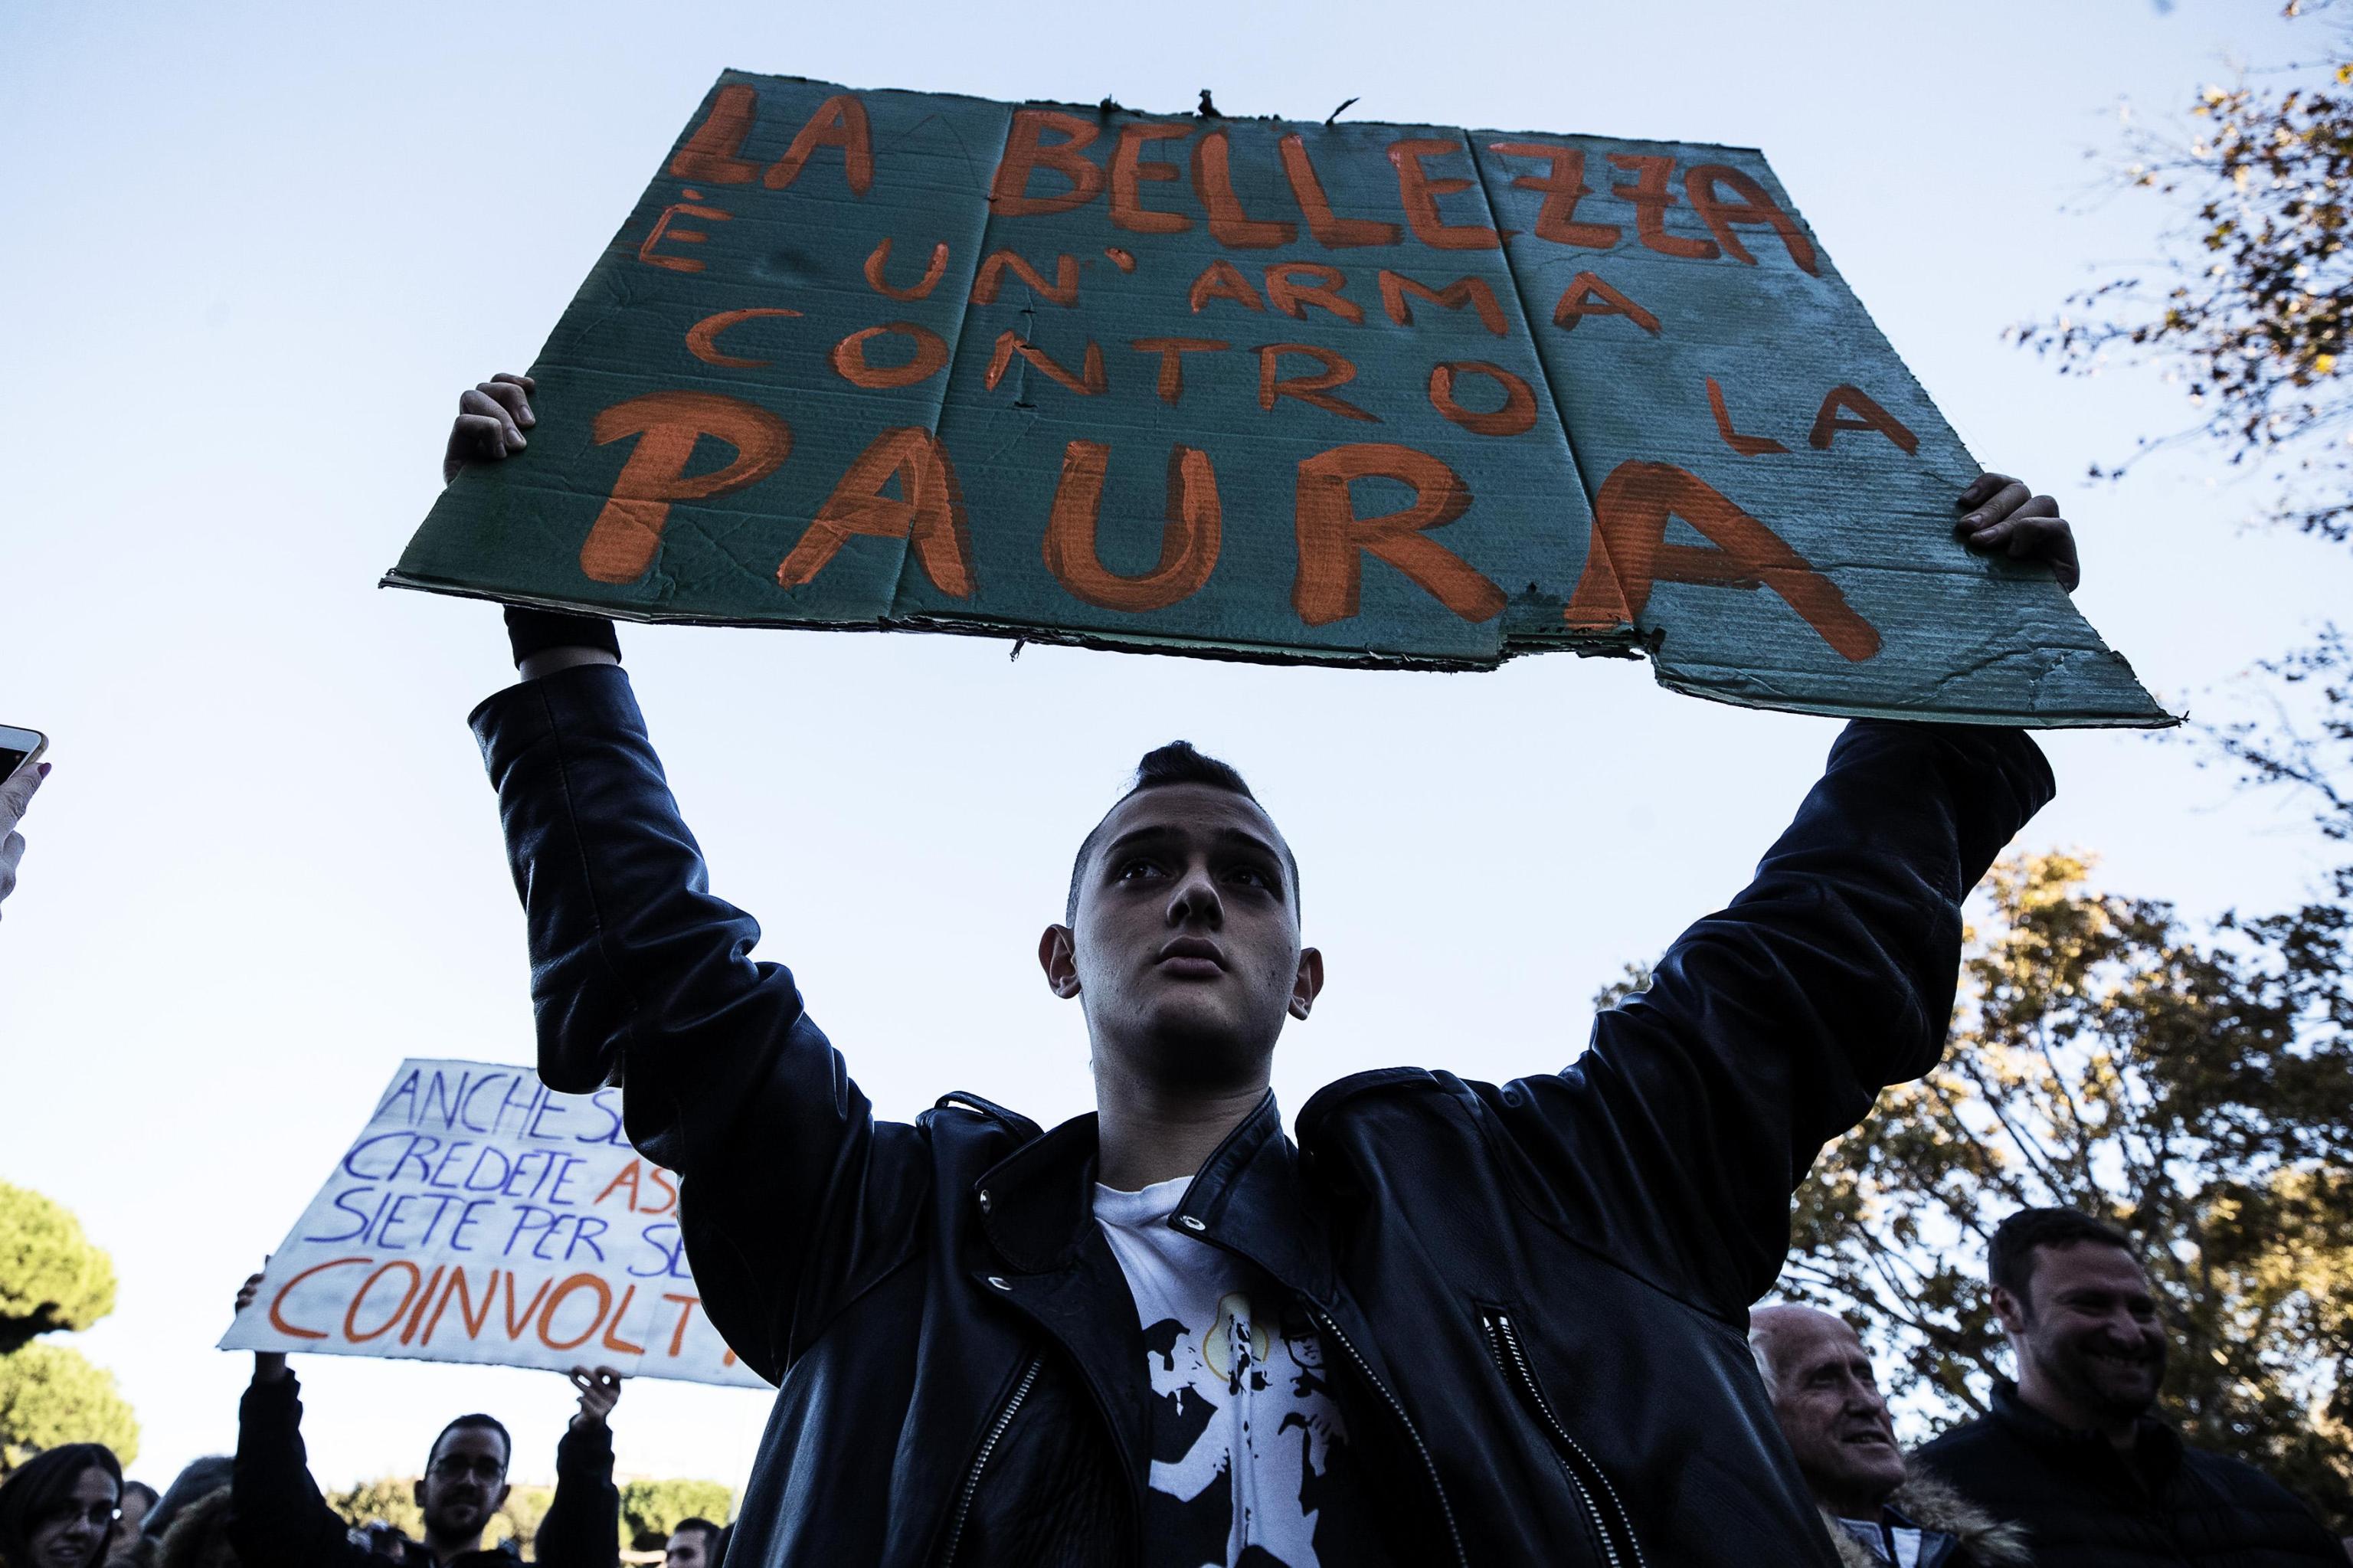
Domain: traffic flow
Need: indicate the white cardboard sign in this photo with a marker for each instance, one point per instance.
(479, 1216)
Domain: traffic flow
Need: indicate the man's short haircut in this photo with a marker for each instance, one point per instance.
(488, 1424)
(140, 1489)
(1175, 763)
(2009, 1259)
(704, 1525)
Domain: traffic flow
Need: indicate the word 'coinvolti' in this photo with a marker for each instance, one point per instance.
(481, 1216)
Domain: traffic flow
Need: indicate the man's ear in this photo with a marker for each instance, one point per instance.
(1307, 983)
(500, 1500)
(2011, 1310)
(419, 1489)
(1057, 955)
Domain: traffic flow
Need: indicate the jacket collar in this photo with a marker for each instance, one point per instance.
(1037, 1204)
(504, 1555)
(1252, 1196)
(2156, 1447)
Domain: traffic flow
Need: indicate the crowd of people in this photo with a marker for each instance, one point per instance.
(71, 1507)
(2070, 1466)
(1451, 1323)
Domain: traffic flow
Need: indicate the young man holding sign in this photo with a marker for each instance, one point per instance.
(281, 1521)
(1455, 1323)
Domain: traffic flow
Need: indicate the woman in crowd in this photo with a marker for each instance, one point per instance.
(58, 1511)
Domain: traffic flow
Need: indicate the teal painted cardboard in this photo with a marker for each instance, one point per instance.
(1356, 393)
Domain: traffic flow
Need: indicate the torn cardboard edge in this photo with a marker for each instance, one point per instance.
(1627, 643)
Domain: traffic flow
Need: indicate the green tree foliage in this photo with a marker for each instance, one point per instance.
(651, 1509)
(392, 1499)
(2194, 1089)
(51, 1394)
(2250, 306)
(51, 1278)
(518, 1517)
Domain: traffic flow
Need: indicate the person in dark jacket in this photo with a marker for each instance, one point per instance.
(1826, 1397)
(1453, 1323)
(2071, 1450)
(280, 1520)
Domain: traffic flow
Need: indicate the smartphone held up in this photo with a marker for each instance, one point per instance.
(19, 750)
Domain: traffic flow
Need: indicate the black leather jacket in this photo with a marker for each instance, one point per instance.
(1535, 1295)
(2085, 1505)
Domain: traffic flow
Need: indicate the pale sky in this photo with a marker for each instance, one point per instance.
(258, 251)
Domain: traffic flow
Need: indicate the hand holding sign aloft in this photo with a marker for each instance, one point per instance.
(268, 1366)
(491, 419)
(600, 1390)
(2010, 519)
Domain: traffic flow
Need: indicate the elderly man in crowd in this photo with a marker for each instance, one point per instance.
(1826, 1401)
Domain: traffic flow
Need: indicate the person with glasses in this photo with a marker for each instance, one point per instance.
(58, 1508)
(282, 1521)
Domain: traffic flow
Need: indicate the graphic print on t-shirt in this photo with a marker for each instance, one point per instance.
(1244, 1428)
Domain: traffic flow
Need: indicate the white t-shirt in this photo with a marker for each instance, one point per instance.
(1244, 1429)
(1903, 1540)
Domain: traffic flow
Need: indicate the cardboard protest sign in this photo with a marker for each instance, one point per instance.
(481, 1217)
(1366, 394)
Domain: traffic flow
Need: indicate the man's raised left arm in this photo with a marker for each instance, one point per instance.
(1770, 1027)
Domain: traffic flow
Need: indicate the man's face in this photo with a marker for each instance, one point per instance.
(463, 1485)
(1828, 1406)
(688, 1548)
(1185, 950)
(2090, 1328)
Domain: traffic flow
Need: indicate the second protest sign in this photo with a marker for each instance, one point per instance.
(479, 1216)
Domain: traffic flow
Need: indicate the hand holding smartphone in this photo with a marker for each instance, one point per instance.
(20, 774)
(19, 750)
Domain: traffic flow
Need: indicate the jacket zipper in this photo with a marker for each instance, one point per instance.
(1583, 1476)
(1445, 1507)
(980, 1460)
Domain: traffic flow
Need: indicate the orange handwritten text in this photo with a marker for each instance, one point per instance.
(668, 425)
(1630, 554)
(928, 512)
(1332, 538)
(1188, 542)
(702, 338)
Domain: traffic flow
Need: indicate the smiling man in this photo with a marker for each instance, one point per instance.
(2071, 1450)
(1827, 1400)
(1454, 1323)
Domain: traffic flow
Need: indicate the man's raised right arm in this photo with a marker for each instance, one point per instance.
(641, 977)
